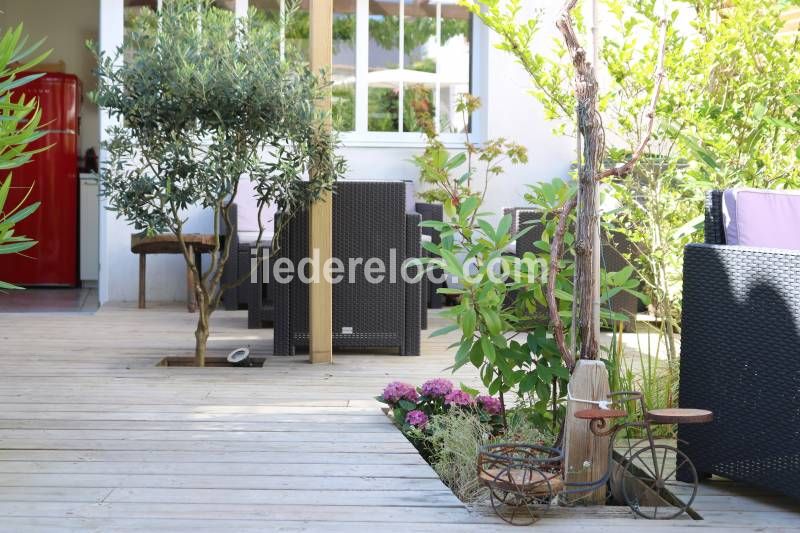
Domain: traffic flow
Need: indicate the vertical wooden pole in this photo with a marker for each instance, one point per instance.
(142, 279)
(586, 454)
(321, 217)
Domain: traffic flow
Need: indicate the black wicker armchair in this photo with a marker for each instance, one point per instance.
(432, 212)
(740, 357)
(370, 221)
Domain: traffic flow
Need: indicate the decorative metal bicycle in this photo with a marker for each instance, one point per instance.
(524, 479)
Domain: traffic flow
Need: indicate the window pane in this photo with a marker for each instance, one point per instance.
(419, 76)
(344, 65)
(296, 37)
(383, 79)
(454, 65)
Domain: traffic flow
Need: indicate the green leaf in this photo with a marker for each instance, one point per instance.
(463, 354)
(472, 392)
(23, 213)
(492, 320)
(476, 355)
(407, 405)
(503, 227)
(468, 320)
(444, 331)
(4, 188)
(9, 286)
(16, 247)
(456, 161)
(488, 349)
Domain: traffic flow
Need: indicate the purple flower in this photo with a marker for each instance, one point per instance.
(490, 405)
(417, 419)
(437, 388)
(396, 391)
(458, 398)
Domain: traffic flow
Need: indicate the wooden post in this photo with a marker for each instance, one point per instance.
(142, 279)
(191, 295)
(586, 454)
(320, 238)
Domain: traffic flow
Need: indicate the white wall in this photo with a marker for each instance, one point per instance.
(66, 25)
(510, 112)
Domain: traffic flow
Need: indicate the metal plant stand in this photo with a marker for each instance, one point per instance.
(524, 479)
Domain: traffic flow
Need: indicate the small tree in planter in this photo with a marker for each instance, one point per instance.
(206, 98)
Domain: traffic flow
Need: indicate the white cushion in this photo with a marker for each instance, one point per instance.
(247, 209)
(249, 237)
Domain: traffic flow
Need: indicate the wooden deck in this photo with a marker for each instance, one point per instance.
(94, 436)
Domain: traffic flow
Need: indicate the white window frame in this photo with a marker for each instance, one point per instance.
(362, 137)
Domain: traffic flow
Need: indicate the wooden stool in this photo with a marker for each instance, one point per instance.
(167, 243)
(596, 413)
(679, 416)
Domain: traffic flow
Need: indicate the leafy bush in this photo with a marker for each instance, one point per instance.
(413, 408)
(438, 168)
(503, 331)
(20, 119)
(453, 439)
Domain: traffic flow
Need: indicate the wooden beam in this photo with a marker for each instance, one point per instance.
(320, 239)
(586, 454)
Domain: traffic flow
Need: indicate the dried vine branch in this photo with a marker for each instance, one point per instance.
(660, 75)
(591, 129)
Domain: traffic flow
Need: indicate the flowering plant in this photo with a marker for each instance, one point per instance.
(412, 408)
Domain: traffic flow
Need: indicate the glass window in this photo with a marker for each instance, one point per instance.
(419, 62)
(383, 72)
(398, 65)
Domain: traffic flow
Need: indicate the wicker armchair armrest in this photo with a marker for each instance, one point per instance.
(430, 212)
(415, 309)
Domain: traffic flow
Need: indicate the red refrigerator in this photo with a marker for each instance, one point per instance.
(54, 176)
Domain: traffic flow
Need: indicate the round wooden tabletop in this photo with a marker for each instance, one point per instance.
(597, 413)
(680, 416)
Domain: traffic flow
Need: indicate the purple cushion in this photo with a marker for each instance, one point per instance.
(762, 218)
(247, 207)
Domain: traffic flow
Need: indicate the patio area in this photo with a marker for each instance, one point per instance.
(95, 436)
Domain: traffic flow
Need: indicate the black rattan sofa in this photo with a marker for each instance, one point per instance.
(740, 358)
(370, 218)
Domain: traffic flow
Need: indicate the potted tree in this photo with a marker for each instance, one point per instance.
(206, 98)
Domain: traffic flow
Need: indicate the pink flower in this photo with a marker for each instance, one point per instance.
(437, 388)
(396, 391)
(459, 398)
(489, 404)
(417, 419)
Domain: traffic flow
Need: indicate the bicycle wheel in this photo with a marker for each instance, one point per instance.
(650, 485)
(515, 501)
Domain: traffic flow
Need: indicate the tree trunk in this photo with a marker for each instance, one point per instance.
(201, 334)
(587, 222)
(204, 310)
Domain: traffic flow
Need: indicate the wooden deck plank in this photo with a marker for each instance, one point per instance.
(94, 436)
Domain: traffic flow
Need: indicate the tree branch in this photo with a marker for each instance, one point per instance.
(556, 252)
(627, 167)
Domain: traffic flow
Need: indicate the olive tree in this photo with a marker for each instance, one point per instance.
(205, 98)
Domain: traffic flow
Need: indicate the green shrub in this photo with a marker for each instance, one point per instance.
(452, 440)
